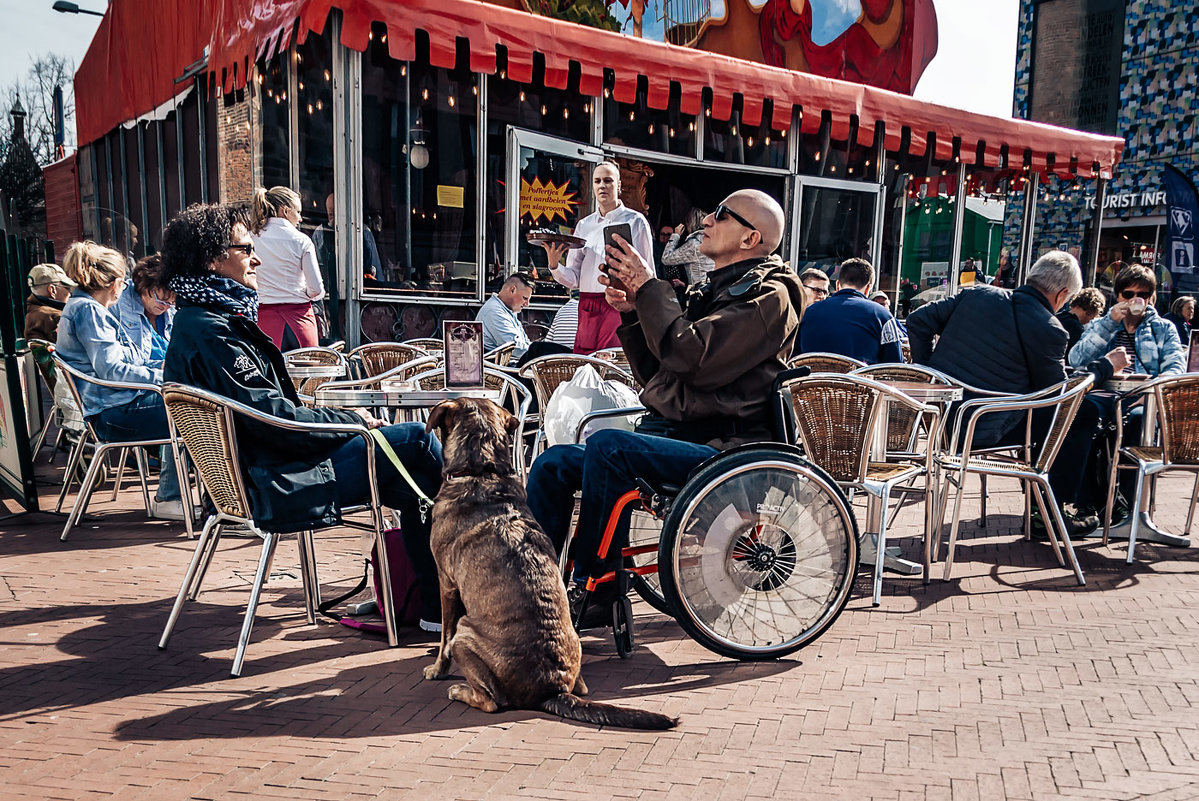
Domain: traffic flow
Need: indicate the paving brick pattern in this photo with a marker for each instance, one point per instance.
(1008, 682)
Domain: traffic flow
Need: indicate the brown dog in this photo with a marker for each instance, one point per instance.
(504, 615)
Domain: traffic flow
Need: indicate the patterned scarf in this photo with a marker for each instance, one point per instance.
(215, 291)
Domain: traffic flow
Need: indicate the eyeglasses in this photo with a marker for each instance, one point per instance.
(166, 304)
(723, 211)
(1129, 294)
(247, 248)
(818, 291)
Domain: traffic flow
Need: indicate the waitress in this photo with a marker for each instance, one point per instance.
(598, 321)
(289, 278)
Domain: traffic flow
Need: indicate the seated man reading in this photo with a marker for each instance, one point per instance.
(707, 367)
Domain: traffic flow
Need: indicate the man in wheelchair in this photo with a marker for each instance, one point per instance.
(707, 366)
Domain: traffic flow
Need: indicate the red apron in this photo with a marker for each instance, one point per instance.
(598, 322)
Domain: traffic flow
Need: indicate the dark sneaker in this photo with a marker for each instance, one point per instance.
(1078, 523)
(590, 610)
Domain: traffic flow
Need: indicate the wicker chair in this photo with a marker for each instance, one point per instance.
(379, 357)
(548, 372)
(1030, 466)
(501, 355)
(615, 356)
(836, 420)
(310, 356)
(1177, 411)
(902, 422)
(205, 422)
(826, 362)
(427, 344)
(89, 439)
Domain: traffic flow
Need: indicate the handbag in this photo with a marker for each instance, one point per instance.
(405, 595)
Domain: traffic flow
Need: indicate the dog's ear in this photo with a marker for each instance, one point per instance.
(442, 414)
(511, 422)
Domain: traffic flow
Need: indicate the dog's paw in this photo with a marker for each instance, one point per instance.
(435, 671)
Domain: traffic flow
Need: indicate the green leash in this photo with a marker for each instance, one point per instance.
(426, 503)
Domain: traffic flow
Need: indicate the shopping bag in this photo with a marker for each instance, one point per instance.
(586, 392)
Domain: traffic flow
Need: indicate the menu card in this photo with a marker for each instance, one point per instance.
(463, 354)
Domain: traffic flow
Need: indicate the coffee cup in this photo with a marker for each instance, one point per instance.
(1136, 306)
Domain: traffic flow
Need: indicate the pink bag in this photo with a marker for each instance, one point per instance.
(405, 588)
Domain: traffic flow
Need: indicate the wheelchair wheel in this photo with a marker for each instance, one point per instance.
(644, 529)
(758, 554)
(622, 626)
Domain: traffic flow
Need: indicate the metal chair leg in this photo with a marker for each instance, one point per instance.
(1191, 508)
(1135, 511)
(1061, 527)
(880, 556)
(982, 499)
(68, 476)
(269, 541)
(208, 556)
(85, 491)
(312, 588)
(1049, 521)
(953, 530)
(143, 470)
(122, 456)
(188, 577)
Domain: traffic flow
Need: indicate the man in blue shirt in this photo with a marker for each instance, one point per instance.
(848, 323)
(500, 314)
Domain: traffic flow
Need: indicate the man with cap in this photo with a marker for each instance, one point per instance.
(49, 289)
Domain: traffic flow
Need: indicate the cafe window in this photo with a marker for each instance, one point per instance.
(189, 118)
(636, 125)
(170, 160)
(88, 191)
(924, 189)
(153, 184)
(419, 134)
(135, 231)
(822, 156)
(533, 106)
(273, 123)
(730, 142)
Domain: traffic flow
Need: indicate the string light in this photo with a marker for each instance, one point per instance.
(566, 114)
(522, 95)
(451, 101)
(424, 93)
(403, 70)
(328, 77)
(632, 116)
(301, 86)
(651, 129)
(586, 108)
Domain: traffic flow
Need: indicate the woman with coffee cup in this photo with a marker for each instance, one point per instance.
(1149, 340)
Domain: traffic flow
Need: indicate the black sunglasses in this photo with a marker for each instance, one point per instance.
(1129, 294)
(723, 211)
(247, 248)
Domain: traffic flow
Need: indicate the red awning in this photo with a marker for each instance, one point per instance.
(243, 31)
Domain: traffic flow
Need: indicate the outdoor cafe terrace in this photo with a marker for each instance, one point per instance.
(1010, 680)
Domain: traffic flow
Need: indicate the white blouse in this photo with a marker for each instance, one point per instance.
(289, 272)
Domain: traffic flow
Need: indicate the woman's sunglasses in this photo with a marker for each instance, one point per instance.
(1128, 294)
(247, 248)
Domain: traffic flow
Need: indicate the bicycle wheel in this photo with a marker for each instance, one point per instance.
(758, 554)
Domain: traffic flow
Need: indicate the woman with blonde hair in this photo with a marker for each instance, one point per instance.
(92, 340)
(289, 278)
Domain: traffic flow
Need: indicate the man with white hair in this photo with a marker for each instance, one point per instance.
(1010, 341)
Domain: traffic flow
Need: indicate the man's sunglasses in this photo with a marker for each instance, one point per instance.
(247, 248)
(723, 211)
(1129, 294)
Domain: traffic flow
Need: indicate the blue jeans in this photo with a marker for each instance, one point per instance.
(605, 468)
(144, 417)
(421, 454)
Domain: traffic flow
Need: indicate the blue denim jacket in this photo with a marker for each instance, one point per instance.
(149, 343)
(92, 340)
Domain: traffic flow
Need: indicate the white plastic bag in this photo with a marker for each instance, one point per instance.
(586, 392)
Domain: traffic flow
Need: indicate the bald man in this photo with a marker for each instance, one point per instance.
(707, 368)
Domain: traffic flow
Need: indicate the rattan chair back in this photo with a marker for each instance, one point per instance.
(379, 357)
(901, 421)
(70, 376)
(206, 427)
(427, 344)
(329, 356)
(834, 419)
(501, 355)
(826, 362)
(1178, 415)
(403, 372)
(548, 372)
(1073, 391)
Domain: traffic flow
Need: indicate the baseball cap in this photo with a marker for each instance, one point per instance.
(878, 293)
(44, 274)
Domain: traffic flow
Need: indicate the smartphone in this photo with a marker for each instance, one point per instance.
(625, 232)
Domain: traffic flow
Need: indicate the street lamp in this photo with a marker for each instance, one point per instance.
(73, 8)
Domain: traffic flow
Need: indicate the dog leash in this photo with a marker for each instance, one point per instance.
(424, 501)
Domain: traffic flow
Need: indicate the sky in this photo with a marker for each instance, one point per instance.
(972, 70)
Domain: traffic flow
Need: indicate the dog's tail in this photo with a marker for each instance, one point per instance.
(572, 707)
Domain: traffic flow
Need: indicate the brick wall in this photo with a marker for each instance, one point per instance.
(236, 131)
(64, 223)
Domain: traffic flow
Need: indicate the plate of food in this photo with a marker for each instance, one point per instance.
(539, 235)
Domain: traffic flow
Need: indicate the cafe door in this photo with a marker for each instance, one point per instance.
(836, 220)
(548, 185)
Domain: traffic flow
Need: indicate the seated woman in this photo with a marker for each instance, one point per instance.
(92, 340)
(1151, 342)
(147, 309)
(297, 480)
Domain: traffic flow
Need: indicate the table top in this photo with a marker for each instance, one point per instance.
(927, 393)
(316, 370)
(1125, 382)
(392, 398)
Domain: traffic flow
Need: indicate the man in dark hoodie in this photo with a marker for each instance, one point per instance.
(49, 289)
(707, 368)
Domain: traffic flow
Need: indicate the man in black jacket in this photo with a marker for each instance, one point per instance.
(297, 480)
(1011, 342)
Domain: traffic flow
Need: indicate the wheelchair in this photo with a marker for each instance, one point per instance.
(756, 556)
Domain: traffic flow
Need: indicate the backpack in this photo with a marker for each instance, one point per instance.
(405, 588)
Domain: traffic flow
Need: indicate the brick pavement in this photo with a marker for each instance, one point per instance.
(1008, 682)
